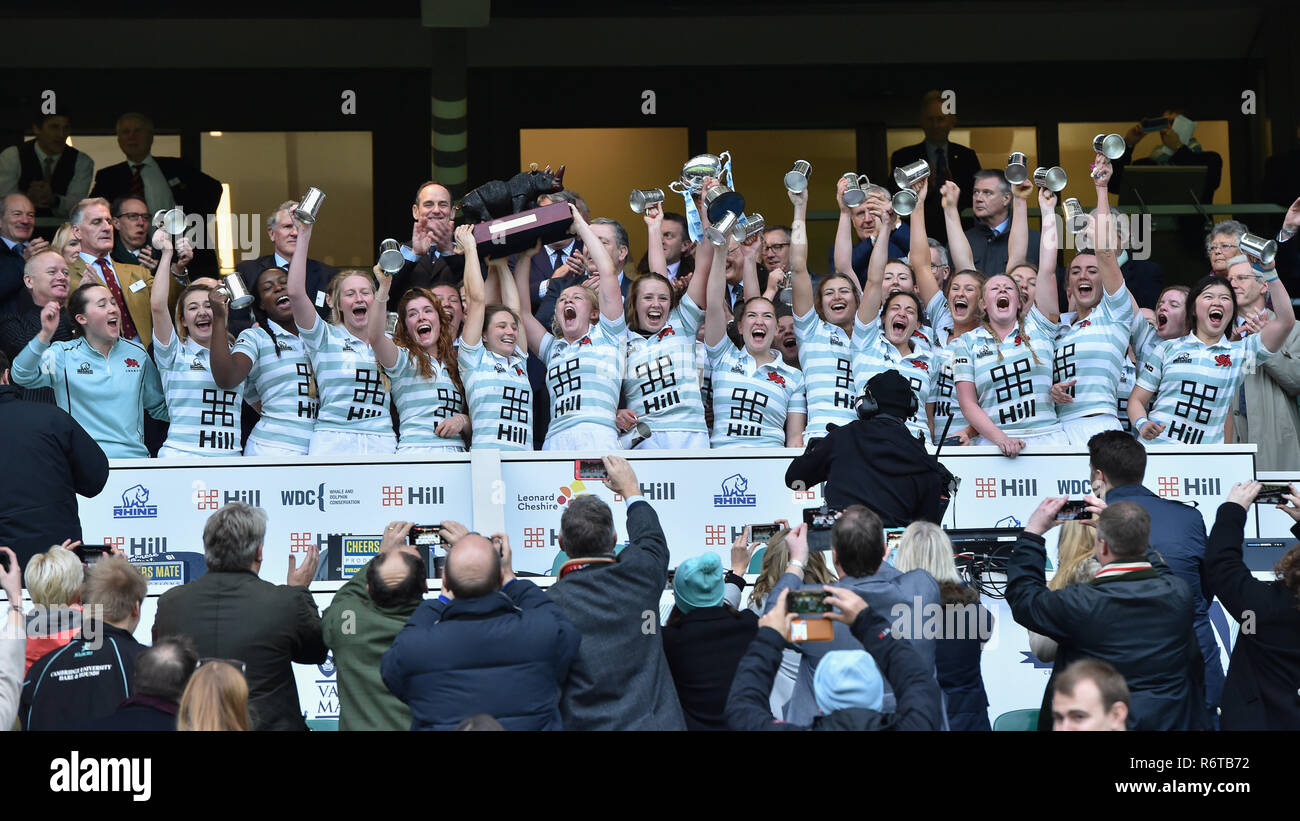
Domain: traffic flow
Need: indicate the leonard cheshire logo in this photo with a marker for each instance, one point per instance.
(135, 504)
(548, 502)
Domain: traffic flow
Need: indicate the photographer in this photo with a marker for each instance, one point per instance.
(848, 686)
(874, 460)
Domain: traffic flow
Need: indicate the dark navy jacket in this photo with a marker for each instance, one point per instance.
(81, 682)
(1178, 535)
(505, 654)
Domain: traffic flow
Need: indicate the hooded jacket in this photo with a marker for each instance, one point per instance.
(875, 463)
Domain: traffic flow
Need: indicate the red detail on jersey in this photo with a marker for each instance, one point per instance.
(668, 331)
(586, 340)
(519, 371)
(917, 333)
(1020, 338)
(131, 363)
(1223, 360)
(773, 376)
(1085, 323)
(920, 364)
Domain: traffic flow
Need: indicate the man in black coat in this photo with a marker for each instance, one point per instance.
(874, 460)
(164, 182)
(86, 679)
(429, 258)
(54, 459)
(231, 613)
(1262, 691)
(1136, 615)
(948, 161)
(849, 688)
(161, 673)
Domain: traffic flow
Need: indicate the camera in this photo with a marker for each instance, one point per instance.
(425, 536)
(1074, 510)
(807, 600)
(590, 469)
(1272, 493)
(762, 534)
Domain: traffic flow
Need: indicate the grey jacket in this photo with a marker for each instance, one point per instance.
(1271, 420)
(620, 680)
(882, 592)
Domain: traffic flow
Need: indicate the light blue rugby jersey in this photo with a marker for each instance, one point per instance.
(423, 403)
(348, 381)
(751, 401)
(661, 378)
(205, 417)
(282, 384)
(873, 354)
(1013, 376)
(1093, 351)
(826, 356)
(584, 377)
(944, 394)
(500, 399)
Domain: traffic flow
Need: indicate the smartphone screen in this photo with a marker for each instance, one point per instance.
(1074, 510)
(807, 600)
(90, 553)
(424, 536)
(1271, 493)
(590, 469)
(762, 534)
(817, 519)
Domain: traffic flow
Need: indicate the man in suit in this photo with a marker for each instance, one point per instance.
(164, 182)
(131, 219)
(1118, 462)
(17, 221)
(551, 262)
(620, 679)
(129, 284)
(232, 613)
(948, 161)
(429, 257)
(282, 229)
(52, 174)
(990, 236)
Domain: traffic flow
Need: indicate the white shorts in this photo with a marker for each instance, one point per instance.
(348, 443)
(413, 449)
(584, 436)
(675, 440)
(169, 452)
(1038, 441)
(1085, 427)
(272, 450)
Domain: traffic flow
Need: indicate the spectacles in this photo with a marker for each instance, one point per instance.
(133, 217)
(777, 246)
(236, 663)
(1223, 247)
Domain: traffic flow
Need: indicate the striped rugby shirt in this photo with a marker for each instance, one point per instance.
(423, 403)
(944, 394)
(584, 377)
(873, 354)
(205, 417)
(1196, 385)
(751, 401)
(1013, 389)
(661, 380)
(826, 356)
(352, 395)
(282, 384)
(1093, 351)
(500, 400)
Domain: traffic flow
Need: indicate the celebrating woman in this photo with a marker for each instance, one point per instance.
(493, 367)
(419, 360)
(582, 353)
(661, 385)
(205, 418)
(353, 391)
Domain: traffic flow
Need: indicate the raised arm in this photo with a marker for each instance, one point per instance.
(377, 323)
(749, 267)
(654, 224)
(510, 296)
(958, 246)
(802, 286)
(715, 312)
(607, 290)
(161, 290)
(1018, 236)
(869, 307)
(228, 368)
(843, 234)
(304, 312)
(1112, 278)
(533, 330)
(476, 293)
(1274, 334)
(1045, 297)
(918, 249)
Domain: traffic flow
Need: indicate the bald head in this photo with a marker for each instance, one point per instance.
(473, 567)
(46, 278)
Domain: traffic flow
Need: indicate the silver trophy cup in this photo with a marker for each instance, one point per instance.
(1265, 250)
(700, 167)
(642, 198)
(236, 294)
(904, 202)
(854, 195)
(1053, 179)
(720, 199)
(744, 230)
(719, 232)
(1111, 146)
(393, 319)
(390, 256)
(1075, 218)
(309, 208)
(911, 174)
(170, 220)
(1017, 168)
(796, 179)
(634, 436)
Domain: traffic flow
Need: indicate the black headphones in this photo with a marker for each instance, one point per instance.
(867, 406)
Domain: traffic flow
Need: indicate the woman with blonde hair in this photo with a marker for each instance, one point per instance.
(967, 624)
(54, 580)
(67, 243)
(216, 698)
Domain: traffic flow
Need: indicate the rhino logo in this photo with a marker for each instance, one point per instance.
(135, 504)
(734, 494)
(135, 496)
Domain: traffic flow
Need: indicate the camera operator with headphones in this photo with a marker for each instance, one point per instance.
(875, 461)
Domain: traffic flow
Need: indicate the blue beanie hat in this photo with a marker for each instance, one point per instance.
(848, 679)
(698, 582)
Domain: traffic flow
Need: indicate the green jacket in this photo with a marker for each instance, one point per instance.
(359, 633)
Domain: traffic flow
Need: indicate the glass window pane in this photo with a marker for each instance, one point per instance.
(104, 151)
(1077, 154)
(993, 144)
